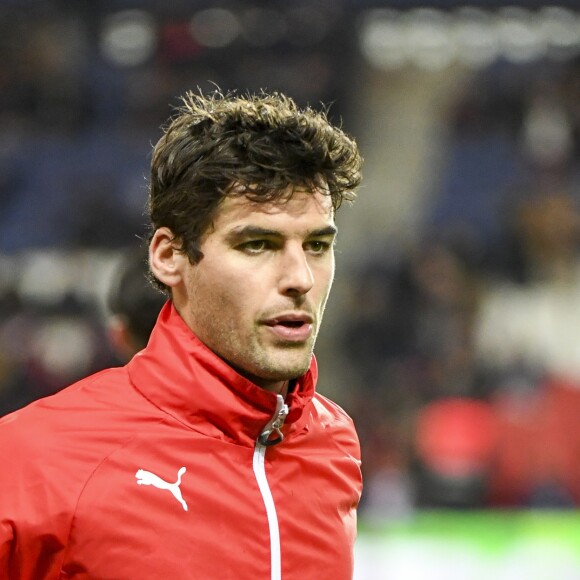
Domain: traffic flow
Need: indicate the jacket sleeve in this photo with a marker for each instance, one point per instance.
(7, 501)
(32, 535)
(6, 543)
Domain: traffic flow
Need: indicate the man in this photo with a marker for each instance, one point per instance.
(209, 455)
(133, 305)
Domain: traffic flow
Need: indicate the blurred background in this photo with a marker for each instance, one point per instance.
(453, 334)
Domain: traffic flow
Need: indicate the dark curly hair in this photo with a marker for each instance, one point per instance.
(260, 146)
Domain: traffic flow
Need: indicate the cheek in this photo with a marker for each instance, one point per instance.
(325, 277)
(219, 294)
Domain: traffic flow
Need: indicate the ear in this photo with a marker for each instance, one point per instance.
(167, 262)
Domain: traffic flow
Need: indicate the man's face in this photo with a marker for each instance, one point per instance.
(257, 296)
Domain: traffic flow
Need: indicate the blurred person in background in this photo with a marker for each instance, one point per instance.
(45, 347)
(210, 453)
(413, 330)
(133, 304)
(526, 342)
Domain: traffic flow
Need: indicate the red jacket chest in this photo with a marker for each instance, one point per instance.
(186, 506)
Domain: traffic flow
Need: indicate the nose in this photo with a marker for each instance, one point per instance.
(296, 276)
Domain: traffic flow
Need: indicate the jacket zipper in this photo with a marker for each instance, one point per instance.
(264, 441)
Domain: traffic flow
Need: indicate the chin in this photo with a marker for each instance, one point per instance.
(289, 372)
(277, 365)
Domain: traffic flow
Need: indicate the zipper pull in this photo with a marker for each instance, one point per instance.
(275, 425)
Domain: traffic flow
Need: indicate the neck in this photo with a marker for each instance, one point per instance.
(279, 388)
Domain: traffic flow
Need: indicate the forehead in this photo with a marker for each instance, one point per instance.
(303, 208)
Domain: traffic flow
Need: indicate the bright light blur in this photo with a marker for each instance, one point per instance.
(432, 39)
(215, 27)
(128, 38)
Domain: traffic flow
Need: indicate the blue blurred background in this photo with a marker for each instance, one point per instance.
(453, 335)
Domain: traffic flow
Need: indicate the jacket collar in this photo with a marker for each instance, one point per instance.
(180, 375)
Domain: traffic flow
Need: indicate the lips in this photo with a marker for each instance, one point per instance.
(294, 327)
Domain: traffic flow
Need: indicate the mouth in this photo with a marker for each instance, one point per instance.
(291, 327)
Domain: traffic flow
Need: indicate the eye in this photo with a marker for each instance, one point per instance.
(255, 246)
(318, 246)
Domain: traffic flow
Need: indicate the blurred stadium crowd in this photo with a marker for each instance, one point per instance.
(462, 350)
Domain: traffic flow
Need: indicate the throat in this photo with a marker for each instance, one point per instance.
(279, 387)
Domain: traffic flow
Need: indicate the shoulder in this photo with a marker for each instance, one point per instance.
(48, 451)
(329, 411)
(50, 448)
(70, 430)
(68, 406)
(336, 422)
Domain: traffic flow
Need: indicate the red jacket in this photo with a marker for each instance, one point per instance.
(153, 470)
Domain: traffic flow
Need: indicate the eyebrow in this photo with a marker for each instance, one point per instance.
(255, 231)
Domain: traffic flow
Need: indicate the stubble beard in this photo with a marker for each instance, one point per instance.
(264, 361)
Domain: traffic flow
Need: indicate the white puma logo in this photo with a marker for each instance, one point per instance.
(148, 478)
